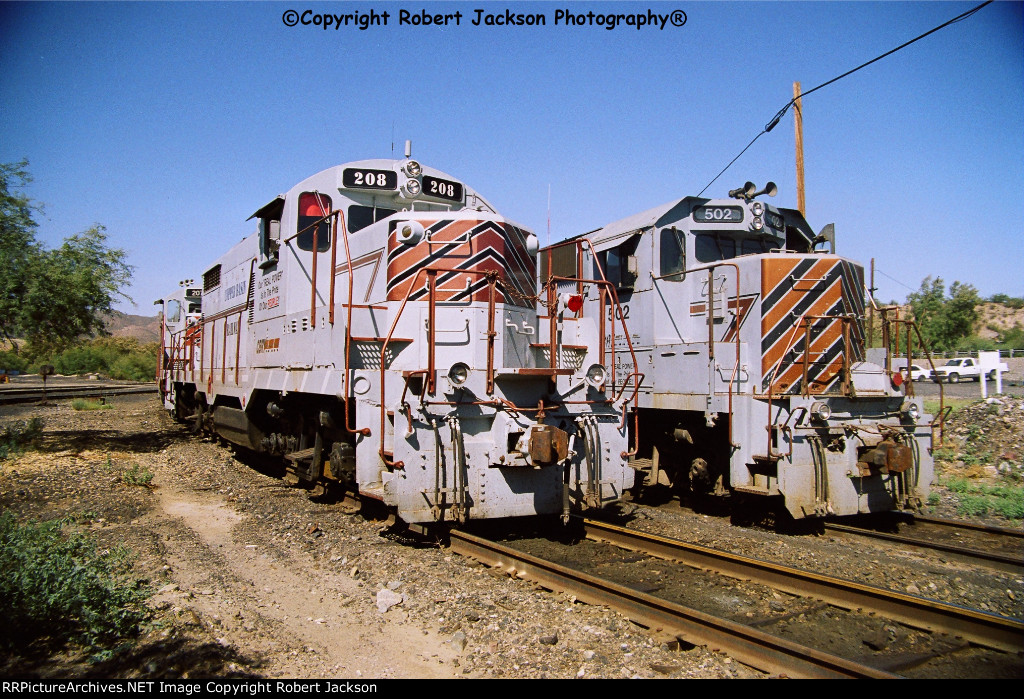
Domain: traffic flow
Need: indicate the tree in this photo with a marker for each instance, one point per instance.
(944, 321)
(17, 243)
(52, 297)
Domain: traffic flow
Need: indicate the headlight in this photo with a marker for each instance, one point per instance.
(912, 411)
(413, 169)
(758, 223)
(757, 208)
(596, 375)
(458, 373)
(411, 188)
(821, 412)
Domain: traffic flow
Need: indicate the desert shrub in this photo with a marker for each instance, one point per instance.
(137, 366)
(138, 475)
(18, 435)
(85, 404)
(60, 587)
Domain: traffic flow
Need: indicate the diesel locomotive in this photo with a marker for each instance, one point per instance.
(382, 333)
(757, 382)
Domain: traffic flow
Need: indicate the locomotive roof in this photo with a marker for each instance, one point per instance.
(659, 215)
(335, 172)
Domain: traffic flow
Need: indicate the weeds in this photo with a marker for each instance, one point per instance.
(979, 499)
(60, 587)
(138, 475)
(86, 404)
(17, 435)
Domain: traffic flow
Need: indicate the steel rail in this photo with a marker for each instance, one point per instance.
(987, 630)
(973, 526)
(27, 395)
(1011, 564)
(746, 644)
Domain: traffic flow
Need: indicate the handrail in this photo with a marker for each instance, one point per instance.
(886, 321)
(616, 313)
(431, 271)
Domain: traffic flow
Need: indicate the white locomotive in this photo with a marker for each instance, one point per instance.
(381, 332)
(751, 343)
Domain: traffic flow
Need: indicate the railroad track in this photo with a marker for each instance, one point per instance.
(995, 547)
(747, 642)
(35, 393)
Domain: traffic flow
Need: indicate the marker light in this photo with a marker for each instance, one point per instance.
(573, 302)
(912, 411)
(409, 232)
(458, 374)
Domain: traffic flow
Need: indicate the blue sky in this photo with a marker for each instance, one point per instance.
(171, 123)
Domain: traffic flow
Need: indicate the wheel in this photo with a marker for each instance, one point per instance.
(954, 378)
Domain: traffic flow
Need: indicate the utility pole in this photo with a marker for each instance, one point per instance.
(798, 121)
(871, 309)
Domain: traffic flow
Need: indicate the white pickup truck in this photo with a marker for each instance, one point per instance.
(956, 370)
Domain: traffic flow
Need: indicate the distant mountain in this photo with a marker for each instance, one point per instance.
(142, 328)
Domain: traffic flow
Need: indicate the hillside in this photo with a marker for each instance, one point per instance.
(142, 328)
(996, 317)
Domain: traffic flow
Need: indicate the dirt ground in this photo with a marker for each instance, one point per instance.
(252, 579)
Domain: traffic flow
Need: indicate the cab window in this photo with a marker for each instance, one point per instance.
(673, 254)
(312, 207)
(620, 264)
(173, 314)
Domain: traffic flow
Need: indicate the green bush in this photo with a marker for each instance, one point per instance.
(60, 587)
(116, 357)
(134, 367)
(17, 435)
(13, 362)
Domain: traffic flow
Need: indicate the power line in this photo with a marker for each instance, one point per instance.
(894, 279)
(782, 112)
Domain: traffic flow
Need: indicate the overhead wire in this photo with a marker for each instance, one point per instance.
(782, 112)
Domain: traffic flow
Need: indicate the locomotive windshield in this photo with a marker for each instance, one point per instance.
(710, 247)
(359, 217)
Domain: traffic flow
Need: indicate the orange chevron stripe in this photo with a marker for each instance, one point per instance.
(820, 343)
(776, 353)
(785, 305)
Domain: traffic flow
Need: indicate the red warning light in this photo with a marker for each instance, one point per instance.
(574, 303)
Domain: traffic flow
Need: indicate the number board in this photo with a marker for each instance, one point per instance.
(774, 220)
(193, 293)
(443, 189)
(359, 178)
(718, 214)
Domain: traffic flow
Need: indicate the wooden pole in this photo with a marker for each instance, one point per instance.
(798, 121)
(871, 309)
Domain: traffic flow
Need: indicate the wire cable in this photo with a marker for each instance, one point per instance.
(782, 112)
